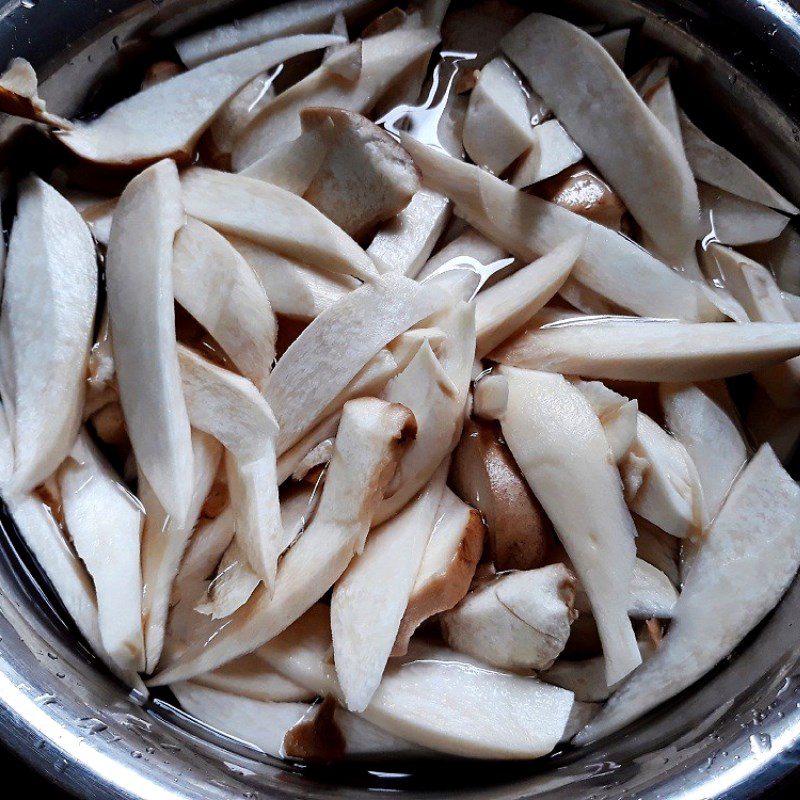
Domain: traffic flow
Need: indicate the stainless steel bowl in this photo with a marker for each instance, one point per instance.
(734, 734)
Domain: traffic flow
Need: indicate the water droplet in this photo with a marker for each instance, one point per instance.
(29, 3)
(149, 750)
(45, 699)
(115, 42)
(136, 754)
(60, 675)
(760, 743)
(53, 656)
(92, 725)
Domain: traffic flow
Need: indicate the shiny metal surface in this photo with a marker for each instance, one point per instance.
(732, 735)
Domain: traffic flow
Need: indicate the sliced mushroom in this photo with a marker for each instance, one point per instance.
(46, 329)
(465, 250)
(732, 220)
(658, 548)
(105, 524)
(249, 676)
(611, 265)
(632, 150)
(752, 545)
(651, 350)
(519, 620)
(384, 59)
(552, 151)
(219, 289)
(661, 101)
(552, 430)
(368, 443)
(780, 257)
(616, 44)
(319, 456)
(167, 119)
(779, 427)
(490, 397)
(19, 95)
(617, 414)
(6, 450)
(273, 217)
(291, 459)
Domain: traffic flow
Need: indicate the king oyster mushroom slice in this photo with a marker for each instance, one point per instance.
(46, 324)
(369, 442)
(519, 620)
(780, 257)
(19, 95)
(167, 119)
(319, 456)
(702, 419)
(384, 59)
(505, 307)
(485, 475)
(105, 524)
(366, 177)
(447, 568)
(220, 290)
(366, 319)
(611, 265)
(490, 397)
(290, 459)
(661, 101)
(271, 216)
(464, 251)
(454, 689)
(718, 167)
(552, 432)
(732, 220)
(779, 427)
(164, 540)
(142, 316)
(658, 548)
(285, 19)
(405, 243)
(752, 545)
(626, 348)
(617, 414)
(552, 151)
(616, 44)
(497, 127)
(630, 147)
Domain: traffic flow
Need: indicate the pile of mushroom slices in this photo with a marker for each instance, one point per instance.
(382, 444)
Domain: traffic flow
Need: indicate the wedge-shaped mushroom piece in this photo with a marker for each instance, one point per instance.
(367, 319)
(729, 219)
(470, 250)
(369, 599)
(552, 151)
(658, 548)
(528, 226)
(448, 566)
(485, 475)
(384, 59)
(164, 540)
(651, 350)
(368, 443)
(718, 167)
(19, 95)
(105, 524)
(617, 414)
(272, 217)
(661, 481)
(291, 458)
(661, 101)
(455, 690)
(249, 676)
(780, 257)
(778, 427)
(559, 444)
(404, 244)
(142, 316)
(366, 176)
(751, 545)
(167, 119)
(490, 396)
(219, 289)
(235, 581)
(630, 147)
(46, 330)
(285, 19)
(519, 620)
(497, 128)
(505, 307)
(702, 419)
(616, 43)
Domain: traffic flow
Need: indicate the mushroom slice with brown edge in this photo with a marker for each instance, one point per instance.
(384, 59)
(618, 415)
(167, 119)
(561, 449)
(105, 524)
(46, 324)
(369, 599)
(472, 709)
(752, 545)
(447, 568)
(611, 265)
(366, 319)
(626, 348)
(19, 95)
(702, 419)
(369, 442)
(519, 620)
(404, 244)
(164, 540)
(230, 408)
(553, 150)
(504, 308)
(273, 217)
(632, 150)
(485, 475)
(220, 290)
(366, 177)
(142, 316)
(718, 167)
(732, 220)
